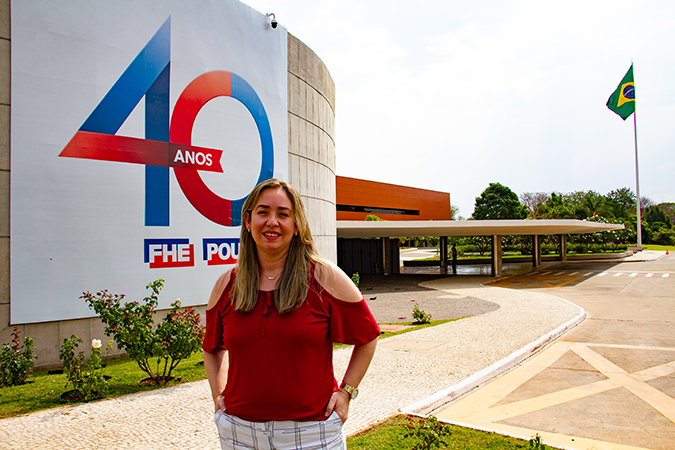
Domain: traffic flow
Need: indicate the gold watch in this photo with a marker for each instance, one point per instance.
(350, 390)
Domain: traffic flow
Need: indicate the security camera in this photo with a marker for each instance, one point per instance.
(271, 20)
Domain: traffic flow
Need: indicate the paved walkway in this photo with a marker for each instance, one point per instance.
(609, 384)
(420, 368)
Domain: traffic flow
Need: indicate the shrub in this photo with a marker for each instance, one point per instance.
(665, 237)
(595, 248)
(420, 316)
(86, 376)
(16, 360)
(356, 279)
(577, 248)
(429, 433)
(535, 443)
(156, 349)
(547, 249)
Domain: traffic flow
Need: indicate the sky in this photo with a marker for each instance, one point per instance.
(452, 96)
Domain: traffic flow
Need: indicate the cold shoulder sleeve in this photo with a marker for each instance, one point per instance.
(351, 322)
(213, 337)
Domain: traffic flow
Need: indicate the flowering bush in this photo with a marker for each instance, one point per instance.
(156, 349)
(86, 376)
(16, 360)
(429, 433)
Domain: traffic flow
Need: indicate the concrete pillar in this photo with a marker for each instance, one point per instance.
(444, 254)
(391, 258)
(496, 256)
(536, 250)
(395, 255)
(563, 247)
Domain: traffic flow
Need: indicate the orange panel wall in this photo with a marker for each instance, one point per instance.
(432, 205)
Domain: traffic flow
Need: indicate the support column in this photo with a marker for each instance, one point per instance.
(496, 256)
(454, 259)
(395, 255)
(563, 247)
(386, 256)
(444, 254)
(536, 250)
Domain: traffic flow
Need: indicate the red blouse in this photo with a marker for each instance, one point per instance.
(281, 366)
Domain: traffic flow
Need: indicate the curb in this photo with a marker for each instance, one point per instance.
(435, 401)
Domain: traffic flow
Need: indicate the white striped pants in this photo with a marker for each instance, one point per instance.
(238, 434)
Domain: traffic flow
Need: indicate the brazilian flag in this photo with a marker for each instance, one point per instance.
(622, 100)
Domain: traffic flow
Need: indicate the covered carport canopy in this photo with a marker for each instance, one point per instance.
(494, 228)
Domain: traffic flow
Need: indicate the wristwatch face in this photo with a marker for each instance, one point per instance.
(351, 390)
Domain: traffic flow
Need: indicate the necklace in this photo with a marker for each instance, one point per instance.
(273, 277)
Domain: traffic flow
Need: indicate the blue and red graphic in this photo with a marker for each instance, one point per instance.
(167, 142)
(217, 251)
(161, 253)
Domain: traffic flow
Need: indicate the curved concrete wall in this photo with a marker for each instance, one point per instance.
(311, 146)
(5, 89)
(311, 165)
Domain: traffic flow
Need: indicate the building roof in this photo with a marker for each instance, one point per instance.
(364, 229)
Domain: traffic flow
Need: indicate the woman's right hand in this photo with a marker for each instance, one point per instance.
(220, 403)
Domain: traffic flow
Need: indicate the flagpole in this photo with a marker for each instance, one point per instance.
(637, 186)
(622, 102)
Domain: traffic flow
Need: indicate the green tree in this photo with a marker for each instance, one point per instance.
(557, 207)
(621, 202)
(654, 214)
(664, 237)
(590, 204)
(668, 208)
(374, 218)
(481, 243)
(498, 202)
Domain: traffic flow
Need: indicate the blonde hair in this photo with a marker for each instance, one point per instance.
(293, 283)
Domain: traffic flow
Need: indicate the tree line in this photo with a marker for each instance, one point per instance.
(499, 202)
(617, 206)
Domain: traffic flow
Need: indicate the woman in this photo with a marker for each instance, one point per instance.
(270, 326)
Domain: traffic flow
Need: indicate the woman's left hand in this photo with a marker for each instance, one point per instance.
(339, 402)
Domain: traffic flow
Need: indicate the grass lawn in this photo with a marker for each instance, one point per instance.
(391, 435)
(661, 248)
(42, 390)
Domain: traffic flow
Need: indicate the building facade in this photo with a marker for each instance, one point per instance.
(310, 168)
(356, 199)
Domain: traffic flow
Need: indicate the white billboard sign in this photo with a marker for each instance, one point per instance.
(137, 131)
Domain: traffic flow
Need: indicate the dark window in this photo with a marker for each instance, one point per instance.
(376, 210)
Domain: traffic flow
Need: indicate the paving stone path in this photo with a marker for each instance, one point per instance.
(406, 369)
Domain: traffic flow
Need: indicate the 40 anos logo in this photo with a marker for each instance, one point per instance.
(167, 142)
